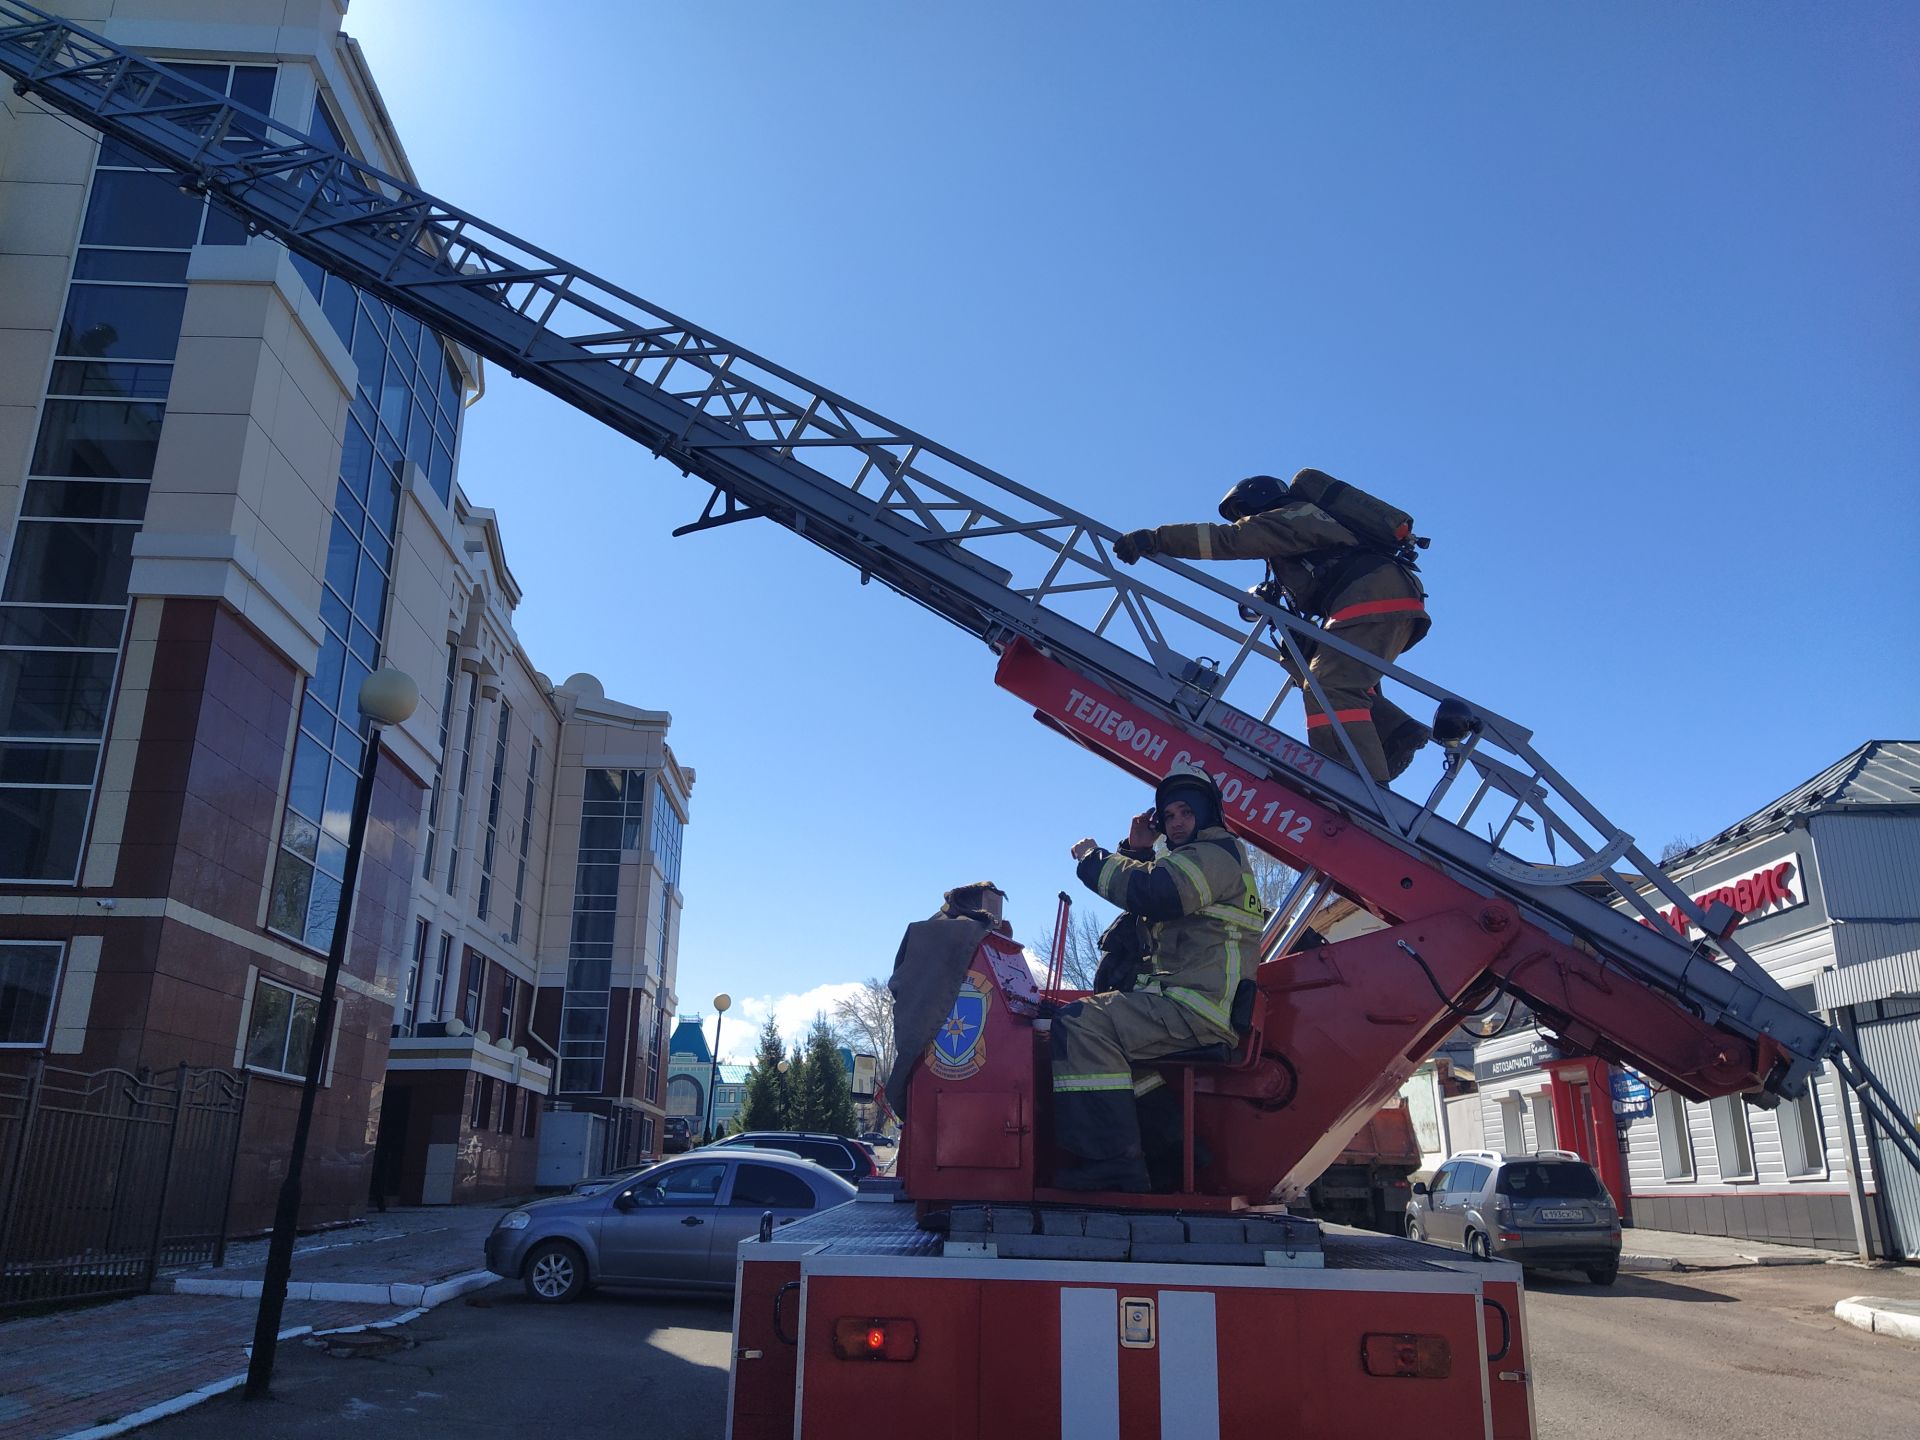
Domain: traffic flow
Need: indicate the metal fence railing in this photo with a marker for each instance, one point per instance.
(107, 1177)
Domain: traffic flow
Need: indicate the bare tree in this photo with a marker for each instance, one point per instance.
(1083, 948)
(1271, 879)
(864, 1021)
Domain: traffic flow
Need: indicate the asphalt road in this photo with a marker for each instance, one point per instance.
(1734, 1353)
(496, 1364)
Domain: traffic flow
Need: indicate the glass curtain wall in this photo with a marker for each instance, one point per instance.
(63, 602)
(405, 407)
(610, 822)
(496, 786)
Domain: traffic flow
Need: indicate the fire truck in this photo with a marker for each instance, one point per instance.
(970, 1297)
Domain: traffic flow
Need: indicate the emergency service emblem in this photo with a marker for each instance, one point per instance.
(960, 1049)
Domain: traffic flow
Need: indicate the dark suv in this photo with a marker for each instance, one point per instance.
(1547, 1209)
(678, 1135)
(848, 1159)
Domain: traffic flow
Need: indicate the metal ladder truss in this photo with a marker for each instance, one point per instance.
(989, 554)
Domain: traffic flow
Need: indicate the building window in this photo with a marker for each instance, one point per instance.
(440, 770)
(646, 1134)
(610, 823)
(653, 1052)
(496, 783)
(1545, 1134)
(280, 1029)
(407, 397)
(508, 1095)
(482, 1102)
(526, 838)
(463, 770)
(509, 995)
(433, 1001)
(1801, 1145)
(1513, 1125)
(476, 986)
(408, 998)
(529, 1113)
(29, 979)
(1676, 1141)
(1732, 1143)
(666, 835)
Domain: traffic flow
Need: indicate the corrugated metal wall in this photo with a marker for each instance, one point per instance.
(1892, 1051)
(1869, 865)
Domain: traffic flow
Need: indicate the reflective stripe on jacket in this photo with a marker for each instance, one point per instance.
(1204, 913)
(1283, 535)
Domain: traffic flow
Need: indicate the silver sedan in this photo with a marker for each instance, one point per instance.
(673, 1227)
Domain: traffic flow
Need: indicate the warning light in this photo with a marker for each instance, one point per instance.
(883, 1338)
(1406, 1357)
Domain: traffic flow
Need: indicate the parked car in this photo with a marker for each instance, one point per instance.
(673, 1227)
(601, 1182)
(874, 1138)
(848, 1159)
(678, 1136)
(1546, 1209)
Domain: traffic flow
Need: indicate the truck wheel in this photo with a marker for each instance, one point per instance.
(1478, 1247)
(1604, 1274)
(555, 1273)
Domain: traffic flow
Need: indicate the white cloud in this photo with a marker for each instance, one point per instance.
(792, 1012)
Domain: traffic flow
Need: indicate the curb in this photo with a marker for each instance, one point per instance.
(1738, 1262)
(423, 1299)
(400, 1293)
(1877, 1315)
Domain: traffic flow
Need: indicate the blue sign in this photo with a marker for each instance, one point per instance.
(1631, 1097)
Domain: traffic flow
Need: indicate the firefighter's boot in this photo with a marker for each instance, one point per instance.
(1161, 1136)
(1099, 1130)
(1402, 744)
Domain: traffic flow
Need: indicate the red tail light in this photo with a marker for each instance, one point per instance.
(1407, 1357)
(855, 1338)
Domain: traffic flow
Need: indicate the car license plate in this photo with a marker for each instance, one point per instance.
(1563, 1214)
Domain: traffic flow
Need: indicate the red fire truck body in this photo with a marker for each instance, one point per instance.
(1025, 1312)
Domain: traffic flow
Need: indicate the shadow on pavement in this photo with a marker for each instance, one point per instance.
(497, 1364)
(1630, 1286)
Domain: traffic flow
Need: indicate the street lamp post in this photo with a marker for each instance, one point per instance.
(720, 1004)
(786, 1100)
(387, 697)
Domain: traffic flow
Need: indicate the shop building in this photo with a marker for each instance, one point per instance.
(1826, 879)
(228, 491)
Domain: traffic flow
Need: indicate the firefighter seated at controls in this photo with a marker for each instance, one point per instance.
(1203, 919)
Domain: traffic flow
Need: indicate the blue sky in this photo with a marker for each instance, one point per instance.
(1619, 302)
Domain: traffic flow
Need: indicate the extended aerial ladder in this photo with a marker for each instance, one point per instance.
(1143, 666)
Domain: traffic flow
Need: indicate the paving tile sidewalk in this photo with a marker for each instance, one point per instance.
(1672, 1250)
(65, 1374)
(68, 1373)
(401, 1251)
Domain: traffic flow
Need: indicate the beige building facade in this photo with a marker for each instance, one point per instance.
(228, 491)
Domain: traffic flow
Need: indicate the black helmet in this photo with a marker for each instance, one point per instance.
(1253, 495)
(1189, 783)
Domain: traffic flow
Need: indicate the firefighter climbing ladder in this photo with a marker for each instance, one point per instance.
(978, 548)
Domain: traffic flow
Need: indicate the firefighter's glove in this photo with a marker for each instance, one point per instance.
(1135, 543)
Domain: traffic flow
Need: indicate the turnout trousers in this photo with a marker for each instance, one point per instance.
(1383, 734)
(1095, 1046)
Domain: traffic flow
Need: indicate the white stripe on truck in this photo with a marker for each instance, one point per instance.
(1089, 1363)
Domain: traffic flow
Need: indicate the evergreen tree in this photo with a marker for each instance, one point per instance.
(823, 1094)
(766, 1103)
